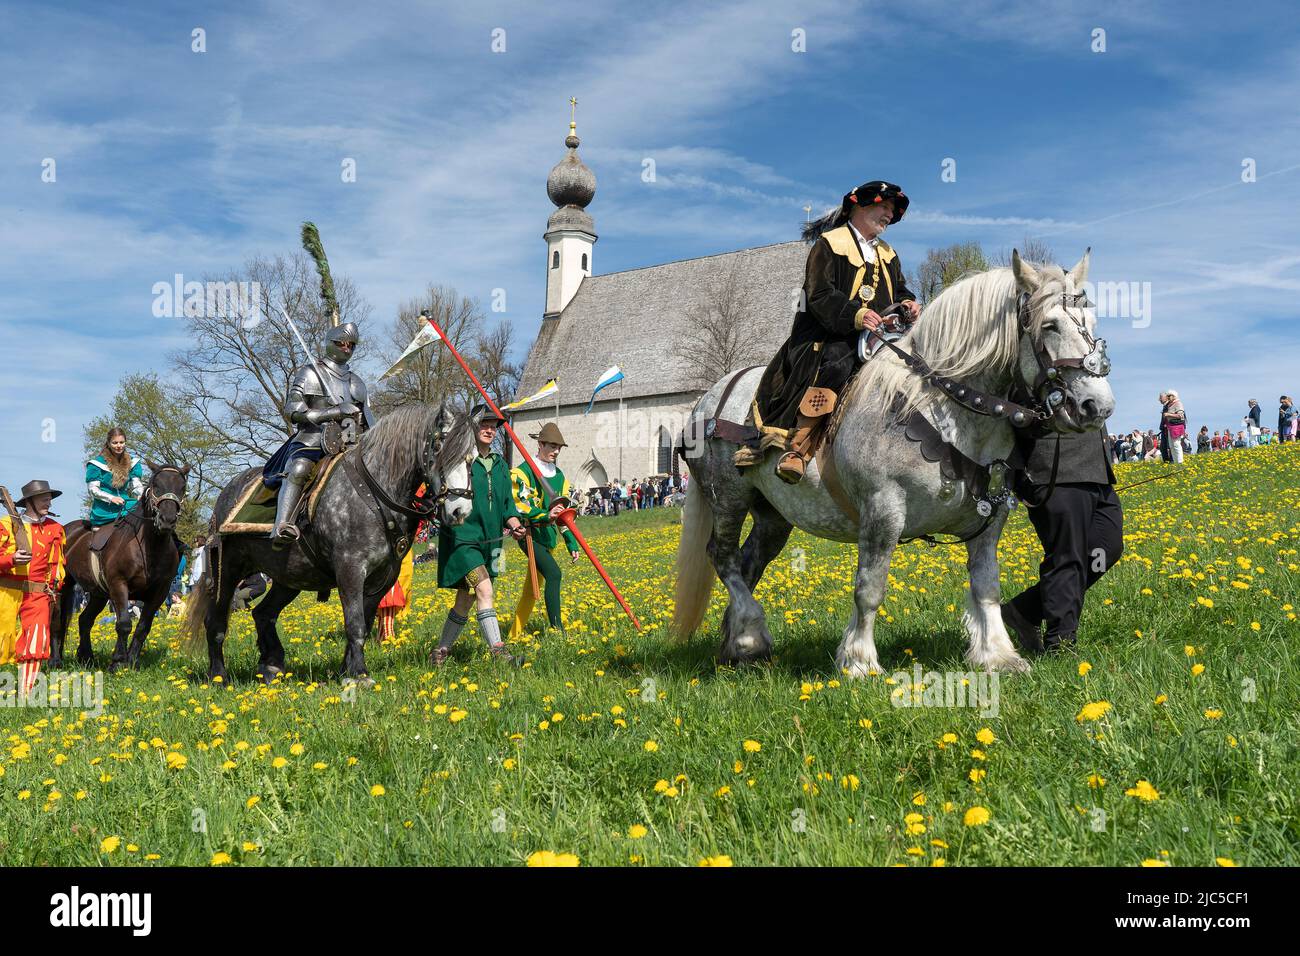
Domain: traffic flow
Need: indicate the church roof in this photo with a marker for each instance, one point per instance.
(631, 319)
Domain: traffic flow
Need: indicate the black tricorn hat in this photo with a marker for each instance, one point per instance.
(877, 191)
(34, 488)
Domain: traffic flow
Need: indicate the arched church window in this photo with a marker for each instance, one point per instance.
(555, 259)
(665, 461)
(584, 262)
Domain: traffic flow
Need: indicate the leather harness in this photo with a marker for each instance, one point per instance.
(986, 484)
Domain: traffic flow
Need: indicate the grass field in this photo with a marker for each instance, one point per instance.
(1169, 737)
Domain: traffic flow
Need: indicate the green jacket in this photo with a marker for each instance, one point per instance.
(476, 541)
(531, 503)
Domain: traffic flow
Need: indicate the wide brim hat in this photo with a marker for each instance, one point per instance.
(34, 488)
(480, 413)
(877, 191)
(550, 433)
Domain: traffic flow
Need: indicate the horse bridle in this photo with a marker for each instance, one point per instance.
(1050, 389)
(433, 448)
(153, 499)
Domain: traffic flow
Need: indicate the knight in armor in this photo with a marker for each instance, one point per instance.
(327, 402)
(851, 277)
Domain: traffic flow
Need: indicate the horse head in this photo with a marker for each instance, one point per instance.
(451, 449)
(1061, 361)
(165, 494)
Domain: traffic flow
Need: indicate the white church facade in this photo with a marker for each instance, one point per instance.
(641, 320)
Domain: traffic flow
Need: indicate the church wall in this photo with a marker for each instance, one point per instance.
(594, 440)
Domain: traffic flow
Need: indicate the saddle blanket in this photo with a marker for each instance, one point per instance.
(254, 510)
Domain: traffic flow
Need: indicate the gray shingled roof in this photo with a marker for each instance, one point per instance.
(628, 318)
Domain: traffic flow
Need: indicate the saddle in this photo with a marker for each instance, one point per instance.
(254, 509)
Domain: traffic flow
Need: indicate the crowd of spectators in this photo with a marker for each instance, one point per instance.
(1170, 440)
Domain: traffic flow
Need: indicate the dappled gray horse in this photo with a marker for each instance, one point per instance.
(920, 446)
(363, 525)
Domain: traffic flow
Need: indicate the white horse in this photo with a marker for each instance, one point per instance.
(1022, 329)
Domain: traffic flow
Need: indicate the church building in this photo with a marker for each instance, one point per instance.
(651, 323)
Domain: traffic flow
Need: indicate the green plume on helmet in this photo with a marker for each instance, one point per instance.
(311, 242)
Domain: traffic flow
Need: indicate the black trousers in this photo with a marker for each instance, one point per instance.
(1081, 527)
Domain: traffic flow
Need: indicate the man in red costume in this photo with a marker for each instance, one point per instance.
(31, 564)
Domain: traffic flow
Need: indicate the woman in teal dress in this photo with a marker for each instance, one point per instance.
(115, 480)
(470, 553)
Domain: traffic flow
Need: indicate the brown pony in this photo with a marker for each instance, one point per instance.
(137, 564)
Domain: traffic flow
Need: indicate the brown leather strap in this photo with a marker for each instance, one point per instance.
(831, 482)
(28, 587)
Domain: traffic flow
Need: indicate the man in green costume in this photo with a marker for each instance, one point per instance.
(470, 555)
(531, 503)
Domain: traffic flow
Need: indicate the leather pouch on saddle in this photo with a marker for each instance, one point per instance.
(814, 414)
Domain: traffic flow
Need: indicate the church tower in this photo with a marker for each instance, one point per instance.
(570, 233)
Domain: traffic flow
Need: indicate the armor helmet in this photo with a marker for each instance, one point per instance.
(347, 332)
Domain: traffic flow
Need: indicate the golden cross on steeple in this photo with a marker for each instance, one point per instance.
(573, 114)
(807, 213)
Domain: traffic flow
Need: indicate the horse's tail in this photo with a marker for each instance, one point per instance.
(194, 631)
(695, 574)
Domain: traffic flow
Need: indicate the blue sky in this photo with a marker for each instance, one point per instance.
(170, 161)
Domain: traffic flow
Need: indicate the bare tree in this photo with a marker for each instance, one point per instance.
(1031, 250)
(723, 337)
(235, 372)
(492, 363)
(433, 375)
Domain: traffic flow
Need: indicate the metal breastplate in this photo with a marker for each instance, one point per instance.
(308, 391)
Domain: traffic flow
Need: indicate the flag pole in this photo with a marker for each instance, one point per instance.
(566, 517)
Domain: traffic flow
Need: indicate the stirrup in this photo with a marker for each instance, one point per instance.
(284, 536)
(792, 476)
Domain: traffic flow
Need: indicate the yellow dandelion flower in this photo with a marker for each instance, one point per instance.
(976, 816)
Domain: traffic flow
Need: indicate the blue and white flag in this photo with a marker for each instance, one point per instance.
(615, 374)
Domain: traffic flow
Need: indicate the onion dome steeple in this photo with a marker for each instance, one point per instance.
(570, 232)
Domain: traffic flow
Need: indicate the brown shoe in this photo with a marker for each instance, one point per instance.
(439, 655)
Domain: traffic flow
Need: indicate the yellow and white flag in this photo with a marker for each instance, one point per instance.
(550, 388)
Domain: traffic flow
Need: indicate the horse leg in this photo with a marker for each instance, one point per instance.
(990, 645)
(121, 598)
(215, 623)
(878, 531)
(356, 624)
(59, 622)
(95, 601)
(764, 542)
(270, 662)
(142, 629)
(744, 630)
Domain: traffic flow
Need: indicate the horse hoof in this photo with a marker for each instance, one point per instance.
(860, 670)
(365, 682)
(744, 650)
(269, 673)
(1012, 665)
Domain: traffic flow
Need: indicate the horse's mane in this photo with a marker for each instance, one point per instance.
(392, 446)
(968, 329)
